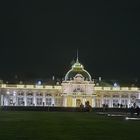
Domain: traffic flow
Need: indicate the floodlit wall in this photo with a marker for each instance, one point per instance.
(14, 95)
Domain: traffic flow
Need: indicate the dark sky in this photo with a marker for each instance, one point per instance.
(39, 38)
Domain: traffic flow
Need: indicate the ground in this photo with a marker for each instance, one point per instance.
(65, 126)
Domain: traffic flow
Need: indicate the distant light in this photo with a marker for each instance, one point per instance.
(53, 78)
(100, 79)
(127, 118)
(115, 115)
(8, 92)
(39, 82)
(97, 84)
(14, 93)
(116, 85)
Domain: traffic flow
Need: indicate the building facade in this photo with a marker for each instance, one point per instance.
(77, 88)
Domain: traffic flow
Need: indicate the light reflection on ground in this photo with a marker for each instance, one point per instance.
(129, 118)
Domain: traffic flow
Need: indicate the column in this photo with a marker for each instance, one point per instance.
(109, 105)
(111, 101)
(25, 99)
(2, 101)
(53, 101)
(43, 99)
(102, 100)
(15, 99)
(34, 99)
(94, 101)
(6, 101)
(65, 101)
(129, 100)
(120, 99)
(138, 95)
(74, 101)
(84, 100)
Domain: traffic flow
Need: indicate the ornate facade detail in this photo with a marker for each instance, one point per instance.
(76, 89)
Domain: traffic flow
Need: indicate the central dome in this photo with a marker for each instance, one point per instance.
(77, 68)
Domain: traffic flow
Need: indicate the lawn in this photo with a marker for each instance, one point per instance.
(65, 126)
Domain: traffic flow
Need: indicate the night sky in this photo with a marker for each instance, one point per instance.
(39, 39)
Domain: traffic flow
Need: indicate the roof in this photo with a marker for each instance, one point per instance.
(77, 68)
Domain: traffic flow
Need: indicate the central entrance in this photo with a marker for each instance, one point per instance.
(78, 102)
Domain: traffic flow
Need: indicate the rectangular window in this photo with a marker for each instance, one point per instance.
(124, 96)
(115, 103)
(48, 101)
(39, 101)
(115, 96)
(124, 101)
(58, 101)
(106, 102)
(29, 101)
(39, 94)
(20, 94)
(29, 94)
(20, 101)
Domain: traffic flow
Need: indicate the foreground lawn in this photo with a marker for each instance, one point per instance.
(65, 126)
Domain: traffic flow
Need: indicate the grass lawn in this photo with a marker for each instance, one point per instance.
(65, 126)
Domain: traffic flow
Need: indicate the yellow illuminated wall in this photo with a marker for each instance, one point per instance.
(69, 101)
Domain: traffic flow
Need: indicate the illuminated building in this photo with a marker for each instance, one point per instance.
(77, 87)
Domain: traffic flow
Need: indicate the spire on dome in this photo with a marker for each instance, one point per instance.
(77, 60)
